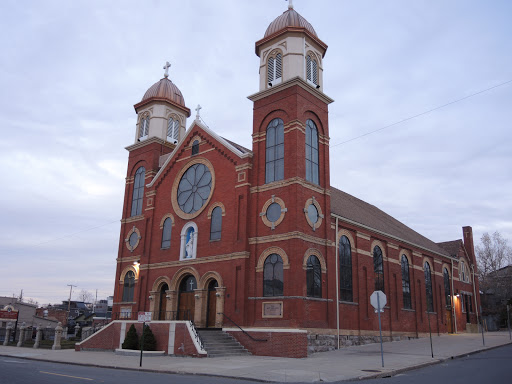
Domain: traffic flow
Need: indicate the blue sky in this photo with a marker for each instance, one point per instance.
(71, 72)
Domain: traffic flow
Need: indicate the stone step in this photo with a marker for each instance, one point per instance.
(218, 343)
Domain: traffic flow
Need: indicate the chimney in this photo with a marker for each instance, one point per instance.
(467, 233)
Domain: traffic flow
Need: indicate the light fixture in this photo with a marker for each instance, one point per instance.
(269, 84)
(457, 295)
(136, 262)
(317, 86)
(217, 294)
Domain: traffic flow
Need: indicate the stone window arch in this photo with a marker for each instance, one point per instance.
(188, 248)
(274, 154)
(143, 126)
(273, 276)
(313, 277)
(128, 286)
(269, 251)
(428, 287)
(138, 191)
(406, 281)
(166, 233)
(378, 268)
(216, 224)
(345, 264)
(312, 157)
(318, 254)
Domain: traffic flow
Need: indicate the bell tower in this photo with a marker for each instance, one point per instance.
(290, 193)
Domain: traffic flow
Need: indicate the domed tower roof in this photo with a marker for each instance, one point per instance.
(290, 18)
(164, 90)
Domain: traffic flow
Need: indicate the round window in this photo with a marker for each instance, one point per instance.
(273, 212)
(194, 188)
(133, 239)
(313, 213)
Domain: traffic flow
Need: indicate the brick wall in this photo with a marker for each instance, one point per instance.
(281, 344)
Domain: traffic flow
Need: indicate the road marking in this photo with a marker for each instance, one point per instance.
(14, 361)
(74, 377)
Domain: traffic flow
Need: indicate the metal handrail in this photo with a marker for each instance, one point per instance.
(196, 334)
(252, 338)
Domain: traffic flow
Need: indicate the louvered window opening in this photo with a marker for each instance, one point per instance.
(270, 70)
(447, 288)
(274, 68)
(345, 255)
(378, 269)
(216, 224)
(312, 152)
(311, 70)
(173, 129)
(138, 191)
(166, 233)
(406, 283)
(428, 288)
(314, 277)
(144, 127)
(274, 160)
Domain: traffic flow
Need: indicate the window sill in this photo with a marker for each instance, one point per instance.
(347, 302)
(163, 249)
(431, 313)
(408, 310)
(215, 240)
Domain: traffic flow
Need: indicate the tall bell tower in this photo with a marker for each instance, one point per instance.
(290, 195)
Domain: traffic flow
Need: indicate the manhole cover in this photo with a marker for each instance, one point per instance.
(370, 370)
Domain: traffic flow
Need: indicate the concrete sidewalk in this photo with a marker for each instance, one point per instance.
(344, 364)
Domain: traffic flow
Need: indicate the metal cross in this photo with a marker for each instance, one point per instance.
(290, 4)
(166, 67)
(191, 285)
(198, 109)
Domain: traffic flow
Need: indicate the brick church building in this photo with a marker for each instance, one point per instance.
(225, 235)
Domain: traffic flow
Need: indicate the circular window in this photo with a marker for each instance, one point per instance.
(132, 239)
(194, 188)
(273, 212)
(312, 213)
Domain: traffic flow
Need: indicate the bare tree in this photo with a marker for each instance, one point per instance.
(85, 296)
(493, 254)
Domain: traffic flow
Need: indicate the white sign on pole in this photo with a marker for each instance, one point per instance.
(374, 301)
(144, 317)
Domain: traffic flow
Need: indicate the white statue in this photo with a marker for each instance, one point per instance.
(190, 245)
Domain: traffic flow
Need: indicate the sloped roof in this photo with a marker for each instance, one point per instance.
(359, 211)
(289, 18)
(452, 247)
(238, 146)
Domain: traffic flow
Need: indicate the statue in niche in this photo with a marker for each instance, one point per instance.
(189, 245)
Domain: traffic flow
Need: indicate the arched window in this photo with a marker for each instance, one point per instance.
(129, 285)
(447, 288)
(144, 128)
(311, 70)
(378, 268)
(188, 284)
(273, 276)
(428, 288)
(166, 233)
(314, 277)
(406, 283)
(345, 255)
(173, 130)
(275, 70)
(463, 272)
(138, 191)
(274, 160)
(216, 224)
(195, 147)
(311, 152)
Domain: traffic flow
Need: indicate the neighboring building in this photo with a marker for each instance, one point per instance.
(217, 233)
(26, 313)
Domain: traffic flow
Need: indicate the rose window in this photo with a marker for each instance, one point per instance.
(194, 188)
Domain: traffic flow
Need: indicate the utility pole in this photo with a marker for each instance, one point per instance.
(69, 301)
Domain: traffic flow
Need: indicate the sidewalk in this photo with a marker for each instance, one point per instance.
(344, 364)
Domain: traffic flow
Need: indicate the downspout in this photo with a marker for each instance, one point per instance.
(453, 303)
(337, 285)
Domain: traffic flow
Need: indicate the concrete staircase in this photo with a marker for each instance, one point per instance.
(218, 343)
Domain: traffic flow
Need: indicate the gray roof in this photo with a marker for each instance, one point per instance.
(452, 247)
(359, 211)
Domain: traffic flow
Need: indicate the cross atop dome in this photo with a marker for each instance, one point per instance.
(166, 67)
(290, 4)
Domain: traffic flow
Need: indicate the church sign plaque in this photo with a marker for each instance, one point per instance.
(272, 309)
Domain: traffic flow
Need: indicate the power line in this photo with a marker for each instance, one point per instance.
(423, 113)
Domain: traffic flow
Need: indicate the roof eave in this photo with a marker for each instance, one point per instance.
(291, 29)
(162, 99)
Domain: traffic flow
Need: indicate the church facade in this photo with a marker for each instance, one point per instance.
(227, 236)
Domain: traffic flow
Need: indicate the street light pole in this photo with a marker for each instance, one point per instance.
(69, 301)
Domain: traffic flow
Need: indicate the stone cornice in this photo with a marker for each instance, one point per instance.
(153, 139)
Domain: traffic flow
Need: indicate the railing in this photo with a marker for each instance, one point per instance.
(156, 315)
(245, 333)
(196, 334)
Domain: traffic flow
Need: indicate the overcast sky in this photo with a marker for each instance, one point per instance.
(71, 71)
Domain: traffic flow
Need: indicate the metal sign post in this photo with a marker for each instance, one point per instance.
(508, 321)
(142, 318)
(377, 299)
(482, 320)
(430, 331)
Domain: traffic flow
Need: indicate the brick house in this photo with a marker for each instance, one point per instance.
(220, 234)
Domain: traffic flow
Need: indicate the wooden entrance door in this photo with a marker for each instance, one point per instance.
(186, 299)
(212, 304)
(162, 308)
(449, 324)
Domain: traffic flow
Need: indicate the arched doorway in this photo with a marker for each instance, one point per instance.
(162, 307)
(186, 299)
(211, 311)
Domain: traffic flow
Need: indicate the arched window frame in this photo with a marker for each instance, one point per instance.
(173, 129)
(378, 268)
(313, 277)
(274, 154)
(312, 156)
(273, 276)
(345, 260)
(406, 282)
(166, 233)
(193, 244)
(128, 287)
(274, 68)
(144, 127)
(428, 287)
(216, 224)
(447, 287)
(138, 191)
(312, 69)
(195, 147)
